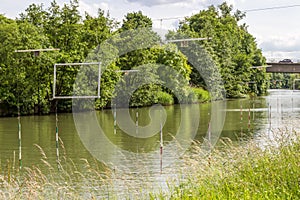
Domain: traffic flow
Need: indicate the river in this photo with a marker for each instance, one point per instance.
(243, 119)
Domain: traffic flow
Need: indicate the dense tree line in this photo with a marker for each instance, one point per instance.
(232, 47)
(27, 78)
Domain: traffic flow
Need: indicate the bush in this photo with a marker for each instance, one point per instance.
(165, 98)
(201, 94)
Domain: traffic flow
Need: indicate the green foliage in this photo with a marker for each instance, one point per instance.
(136, 20)
(246, 173)
(232, 48)
(165, 98)
(27, 79)
(201, 94)
(280, 81)
(138, 88)
(294, 81)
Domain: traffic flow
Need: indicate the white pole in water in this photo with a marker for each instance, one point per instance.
(209, 133)
(253, 111)
(161, 145)
(241, 109)
(137, 128)
(115, 119)
(270, 115)
(136, 122)
(249, 118)
(277, 104)
(241, 117)
(20, 138)
(56, 137)
(292, 104)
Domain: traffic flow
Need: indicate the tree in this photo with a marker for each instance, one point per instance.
(232, 48)
(136, 20)
(21, 74)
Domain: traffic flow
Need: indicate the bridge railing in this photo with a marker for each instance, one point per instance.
(276, 60)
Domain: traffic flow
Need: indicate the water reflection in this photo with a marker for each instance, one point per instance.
(282, 116)
(258, 118)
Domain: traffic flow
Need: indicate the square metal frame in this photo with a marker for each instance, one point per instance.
(76, 97)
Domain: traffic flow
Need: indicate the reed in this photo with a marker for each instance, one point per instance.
(244, 171)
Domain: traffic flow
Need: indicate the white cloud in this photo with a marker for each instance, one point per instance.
(189, 3)
(287, 43)
(276, 48)
(262, 25)
(276, 56)
(151, 3)
(92, 8)
(218, 2)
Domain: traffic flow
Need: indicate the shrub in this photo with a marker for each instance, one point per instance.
(165, 98)
(201, 94)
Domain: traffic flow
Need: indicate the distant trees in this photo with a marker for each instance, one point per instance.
(27, 79)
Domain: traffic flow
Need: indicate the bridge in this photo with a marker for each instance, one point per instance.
(282, 67)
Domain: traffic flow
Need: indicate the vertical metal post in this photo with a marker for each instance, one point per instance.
(115, 119)
(209, 133)
(253, 107)
(137, 122)
(277, 104)
(56, 137)
(54, 81)
(241, 112)
(99, 78)
(292, 104)
(20, 138)
(270, 116)
(161, 144)
(249, 118)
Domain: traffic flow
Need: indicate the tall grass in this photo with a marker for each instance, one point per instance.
(67, 180)
(246, 171)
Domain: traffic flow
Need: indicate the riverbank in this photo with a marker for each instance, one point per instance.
(195, 95)
(247, 171)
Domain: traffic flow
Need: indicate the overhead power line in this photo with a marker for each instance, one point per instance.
(169, 18)
(249, 10)
(271, 8)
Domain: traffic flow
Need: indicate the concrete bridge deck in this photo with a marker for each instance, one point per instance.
(283, 68)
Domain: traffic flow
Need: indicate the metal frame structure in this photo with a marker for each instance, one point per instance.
(188, 39)
(260, 67)
(36, 53)
(75, 97)
(184, 42)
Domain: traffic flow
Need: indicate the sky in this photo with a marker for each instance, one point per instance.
(277, 31)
